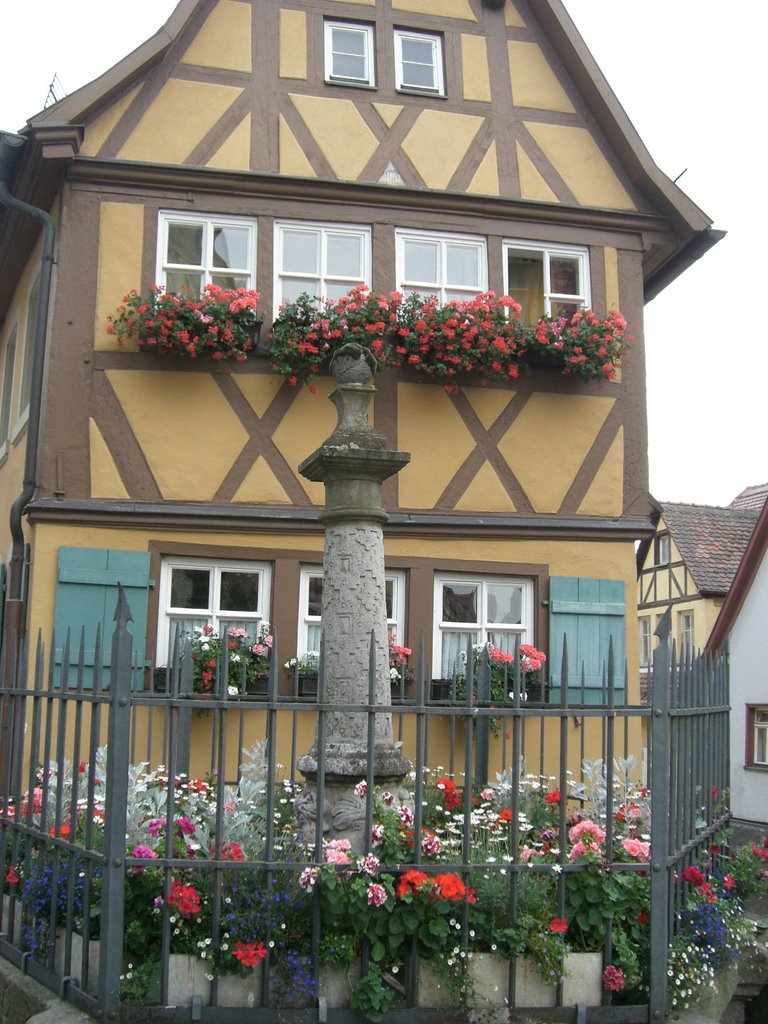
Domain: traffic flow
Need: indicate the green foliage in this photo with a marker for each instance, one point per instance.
(371, 997)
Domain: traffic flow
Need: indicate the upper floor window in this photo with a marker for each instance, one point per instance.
(25, 387)
(661, 549)
(349, 53)
(687, 635)
(645, 641)
(310, 607)
(449, 266)
(546, 280)
(478, 610)
(320, 259)
(9, 367)
(418, 62)
(197, 592)
(196, 251)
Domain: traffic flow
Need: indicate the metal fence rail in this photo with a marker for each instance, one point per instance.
(74, 744)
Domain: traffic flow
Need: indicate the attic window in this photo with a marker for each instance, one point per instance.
(196, 251)
(349, 54)
(662, 549)
(418, 62)
(546, 280)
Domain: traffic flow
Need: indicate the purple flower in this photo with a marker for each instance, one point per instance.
(185, 825)
(155, 827)
(145, 852)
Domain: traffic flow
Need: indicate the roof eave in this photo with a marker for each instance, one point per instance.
(742, 581)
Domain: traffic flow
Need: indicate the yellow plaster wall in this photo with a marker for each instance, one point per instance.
(474, 66)
(99, 130)
(581, 164)
(425, 144)
(388, 112)
(293, 44)
(486, 178)
(191, 108)
(121, 237)
(605, 495)
(548, 442)
(311, 419)
(173, 416)
(292, 157)
(532, 184)
(344, 138)
(106, 481)
(611, 262)
(437, 8)
(224, 41)
(235, 153)
(534, 83)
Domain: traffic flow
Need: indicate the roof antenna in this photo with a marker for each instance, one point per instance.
(56, 91)
(675, 180)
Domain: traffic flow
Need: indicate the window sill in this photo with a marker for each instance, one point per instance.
(369, 86)
(756, 767)
(404, 90)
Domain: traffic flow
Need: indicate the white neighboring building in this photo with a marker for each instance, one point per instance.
(743, 623)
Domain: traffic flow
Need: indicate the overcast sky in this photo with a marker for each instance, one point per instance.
(691, 76)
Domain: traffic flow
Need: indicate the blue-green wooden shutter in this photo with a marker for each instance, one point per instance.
(86, 595)
(590, 613)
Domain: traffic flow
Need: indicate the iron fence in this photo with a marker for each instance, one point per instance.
(71, 789)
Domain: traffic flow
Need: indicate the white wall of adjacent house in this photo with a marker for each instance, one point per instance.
(749, 700)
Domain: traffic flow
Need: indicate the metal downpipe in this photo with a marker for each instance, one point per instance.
(10, 147)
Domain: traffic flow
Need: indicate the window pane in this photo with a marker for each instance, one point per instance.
(301, 252)
(389, 597)
(418, 62)
(526, 285)
(190, 588)
(29, 346)
(421, 261)
(239, 592)
(560, 308)
(462, 266)
(564, 276)
(230, 280)
(315, 596)
(180, 281)
(505, 604)
(230, 247)
(293, 287)
(347, 66)
(345, 256)
(349, 41)
(459, 602)
(454, 645)
(350, 54)
(185, 243)
(8, 370)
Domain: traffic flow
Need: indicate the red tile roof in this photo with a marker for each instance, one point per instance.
(711, 541)
(751, 497)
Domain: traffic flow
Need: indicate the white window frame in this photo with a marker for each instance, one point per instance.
(443, 286)
(438, 87)
(369, 50)
(646, 641)
(758, 722)
(662, 550)
(498, 634)
(687, 623)
(206, 268)
(323, 232)
(11, 346)
(214, 615)
(395, 622)
(27, 356)
(547, 252)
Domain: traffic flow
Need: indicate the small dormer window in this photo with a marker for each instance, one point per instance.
(418, 62)
(349, 53)
(662, 549)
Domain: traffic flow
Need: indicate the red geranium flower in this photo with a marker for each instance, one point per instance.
(12, 875)
(185, 898)
(412, 880)
(558, 924)
(249, 953)
(694, 876)
(553, 797)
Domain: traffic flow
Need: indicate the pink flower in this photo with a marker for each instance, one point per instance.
(336, 851)
(361, 788)
(377, 895)
(406, 815)
(613, 978)
(186, 826)
(637, 849)
(588, 832)
(431, 844)
(369, 864)
(489, 793)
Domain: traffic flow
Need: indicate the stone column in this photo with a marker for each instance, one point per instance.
(352, 463)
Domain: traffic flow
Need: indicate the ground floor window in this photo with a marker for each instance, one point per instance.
(310, 606)
(197, 592)
(478, 610)
(757, 736)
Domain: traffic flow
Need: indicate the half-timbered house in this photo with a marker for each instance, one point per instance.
(314, 145)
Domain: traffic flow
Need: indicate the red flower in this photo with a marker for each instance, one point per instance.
(505, 815)
(694, 876)
(558, 924)
(553, 797)
(449, 887)
(643, 917)
(249, 953)
(729, 882)
(12, 875)
(451, 795)
(412, 880)
(185, 898)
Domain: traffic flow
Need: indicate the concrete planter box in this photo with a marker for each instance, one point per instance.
(583, 979)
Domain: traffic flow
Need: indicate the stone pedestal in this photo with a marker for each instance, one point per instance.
(352, 463)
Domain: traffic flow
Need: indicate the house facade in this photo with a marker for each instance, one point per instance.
(450, 147)
(689, 565)
(741, 626)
